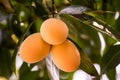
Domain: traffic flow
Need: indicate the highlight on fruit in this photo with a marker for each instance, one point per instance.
(54, 31)
(34, 48)
(65, 56)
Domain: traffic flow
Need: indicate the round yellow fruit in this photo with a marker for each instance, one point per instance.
(34, 48)
(65, 56)
(54, 31)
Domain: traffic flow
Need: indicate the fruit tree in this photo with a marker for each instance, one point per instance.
(59, 39)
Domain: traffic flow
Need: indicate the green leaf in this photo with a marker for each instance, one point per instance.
(95, 23)
(88, 3)
(26, 2)
(117, 24)
(18, 44)
(111, 74)
(24, 68)
(111, 58)
(66, 75)
(112, 5)
(74, 9)
(40, 10)
(34, 75)
(108, 42)
(23, 13)
(86, 64)
(25, 73)
(14, 24)
(5, 62)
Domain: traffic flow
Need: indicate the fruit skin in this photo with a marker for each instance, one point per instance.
(34, 48)
(66, 56)
(54, 31)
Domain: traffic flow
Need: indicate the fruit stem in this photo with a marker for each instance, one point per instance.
(53, 9)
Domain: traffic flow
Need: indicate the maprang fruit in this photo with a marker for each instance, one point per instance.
(54, 31)
(34, 48)
(66, 56)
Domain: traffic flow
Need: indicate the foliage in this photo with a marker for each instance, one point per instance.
(86, 20)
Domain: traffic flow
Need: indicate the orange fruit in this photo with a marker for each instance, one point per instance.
(65, 56)
(54, 31)
(2, 78)
(34, 48)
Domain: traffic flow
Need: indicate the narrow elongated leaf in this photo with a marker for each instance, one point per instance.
(24, 68)
(5, 62)
(74, 10)
(111, 74)
(17, 46)
(101, 26)
(25, 73)
(111, 58)
(117, 24)
(86, 64)
(108, 42)
(14, 24)
(95, 23)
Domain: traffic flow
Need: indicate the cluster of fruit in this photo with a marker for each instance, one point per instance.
(51, 39)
